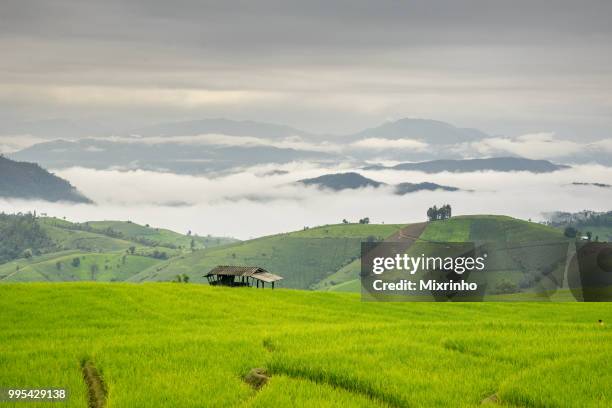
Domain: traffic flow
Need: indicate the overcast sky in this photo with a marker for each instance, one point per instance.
(507, 68)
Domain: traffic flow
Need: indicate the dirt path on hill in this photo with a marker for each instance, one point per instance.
(409, 233)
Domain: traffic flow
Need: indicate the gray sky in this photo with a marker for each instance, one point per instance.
(325, 66)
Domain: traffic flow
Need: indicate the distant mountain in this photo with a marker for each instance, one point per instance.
(341, 181)
(504, 164)
(30, 181)
(182, 158)
(222, 127)
(428, 131)
(407, 188)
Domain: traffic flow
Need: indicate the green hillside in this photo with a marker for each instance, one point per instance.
(497, 228)
(160, 345)
(127, 231)
(21, 236)
(152, 236)
(67, 238)
(107, 251)
(63, 266)
(519, 265)
(303, 258)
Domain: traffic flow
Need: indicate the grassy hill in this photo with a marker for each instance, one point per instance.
(500, 232)
(22, 235)
(139, 234)
(323, 258)
(62, 267)
(67, 237)
(497, 228)
(303, 258)
(159, 345)
(107, 250)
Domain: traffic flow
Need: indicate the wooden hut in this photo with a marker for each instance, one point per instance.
(227, 275)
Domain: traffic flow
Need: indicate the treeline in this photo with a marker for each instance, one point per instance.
(596, 220)
(22, 237)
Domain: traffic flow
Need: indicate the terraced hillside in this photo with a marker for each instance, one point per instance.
(98, 251)
(303, 258)
(163, 344)
(509, 240)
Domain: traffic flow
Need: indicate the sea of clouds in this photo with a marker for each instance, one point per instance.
(262, 200)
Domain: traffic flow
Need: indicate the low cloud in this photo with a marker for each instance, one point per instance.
(264, 200)
(543, 145)
(376, 143)
(14, 143)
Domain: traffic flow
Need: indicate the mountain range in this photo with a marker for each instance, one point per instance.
(219, 145)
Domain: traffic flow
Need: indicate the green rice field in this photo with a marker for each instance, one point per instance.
(189, 345)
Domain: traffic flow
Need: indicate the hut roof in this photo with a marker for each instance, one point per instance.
(251, 271)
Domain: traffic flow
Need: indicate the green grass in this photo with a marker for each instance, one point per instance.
(82, 240)
(57, 267)
(379, 231)
(456, 229)
(158, 236)
(123, 234)
(491, 228)
(159, 345)
(303, 258)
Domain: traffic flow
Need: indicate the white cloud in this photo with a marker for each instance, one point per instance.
(543, 145)
(216, 139)
(602, 145)
(229, 205)
(376, 143)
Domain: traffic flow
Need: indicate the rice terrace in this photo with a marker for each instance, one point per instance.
(141, 343)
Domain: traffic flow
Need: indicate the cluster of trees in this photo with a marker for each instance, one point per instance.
(365, 220)
(157, 254)
(182, 278)
(22, 236)
(444, 212)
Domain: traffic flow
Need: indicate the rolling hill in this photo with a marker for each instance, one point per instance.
(303, 258)
(324, 258)
(25, 180)
(106, 250)
(512, 244)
